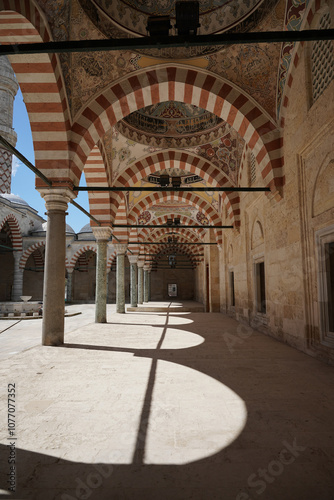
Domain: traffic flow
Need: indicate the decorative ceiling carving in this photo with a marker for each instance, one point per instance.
(128, 18)
(171, 124)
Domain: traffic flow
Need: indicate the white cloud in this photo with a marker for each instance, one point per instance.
(15, 165)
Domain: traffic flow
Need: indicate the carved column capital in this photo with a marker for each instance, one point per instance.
(102, 233)
(120, 248)
(57, 198)
(133, 259)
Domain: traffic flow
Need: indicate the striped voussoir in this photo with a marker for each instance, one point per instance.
(121, 233)
(38, 260)
(26, 254)
(79, 252)
(184, 220)
(111, 260)
(155, 234)
(182, 160)
(96, 175)
(133, 236)
(15, 231)
(82, 262)
(200, 88)
(40, 79)
(190, 198)
(191, 249)
(311, 10)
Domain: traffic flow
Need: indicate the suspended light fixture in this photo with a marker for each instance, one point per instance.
(158, 25)
(187, 18)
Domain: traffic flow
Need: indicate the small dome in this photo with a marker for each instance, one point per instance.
(69, 229)
(86, 233)
(86, 229)
(14, 198)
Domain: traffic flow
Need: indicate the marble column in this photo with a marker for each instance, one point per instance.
(120, 285)
(69, 285)
(146, 278)
(149, 284)
(133, 280)
(140, 282)
(102, 236)
(56, 202)
(17, 289)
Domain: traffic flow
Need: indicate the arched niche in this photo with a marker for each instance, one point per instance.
(257, 234)
(323, 194)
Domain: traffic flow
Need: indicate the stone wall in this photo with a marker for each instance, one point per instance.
(33, 280)
(284, 234)
(183, 278)
(6, 273)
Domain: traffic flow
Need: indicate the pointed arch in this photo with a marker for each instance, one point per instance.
(15, 231)
(184, 220)
(188, 162)
(190, 198)
(80, 251)
(200, 88)
(96, 175)
(121, 218)
(26, 254)
(40, 79)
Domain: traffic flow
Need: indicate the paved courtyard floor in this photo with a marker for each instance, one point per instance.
(162, 405)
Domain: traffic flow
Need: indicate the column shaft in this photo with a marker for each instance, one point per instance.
(54, 279)
(133, 285)
(101, 282)
(69, 286)
(149, 286)
(140, 285)
(120, 288)
(146, 278)
(17, 289)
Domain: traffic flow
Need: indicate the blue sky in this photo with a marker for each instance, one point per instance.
(23, 180)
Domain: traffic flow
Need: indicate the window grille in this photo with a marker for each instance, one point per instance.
(322, 60)
(252, 169)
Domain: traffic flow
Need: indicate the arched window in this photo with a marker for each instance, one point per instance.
(322, 59)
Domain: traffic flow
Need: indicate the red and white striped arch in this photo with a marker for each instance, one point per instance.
(40, 79)
(197, 87)
(184, 220)
(190, 198)
(184, 250)
(15, 231)
(96, 175)
(121, 233)
(79, 252)
(158, 234)
(38, 260)
(111, 260)
(133, 236)
(26, 254)
(190, 248)
(189, 163)
(146, 234)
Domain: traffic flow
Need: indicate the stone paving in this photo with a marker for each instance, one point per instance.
(163, 405)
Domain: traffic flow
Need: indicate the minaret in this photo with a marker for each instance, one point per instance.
(8, 90)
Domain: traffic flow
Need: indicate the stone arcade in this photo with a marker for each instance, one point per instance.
(258, 115)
